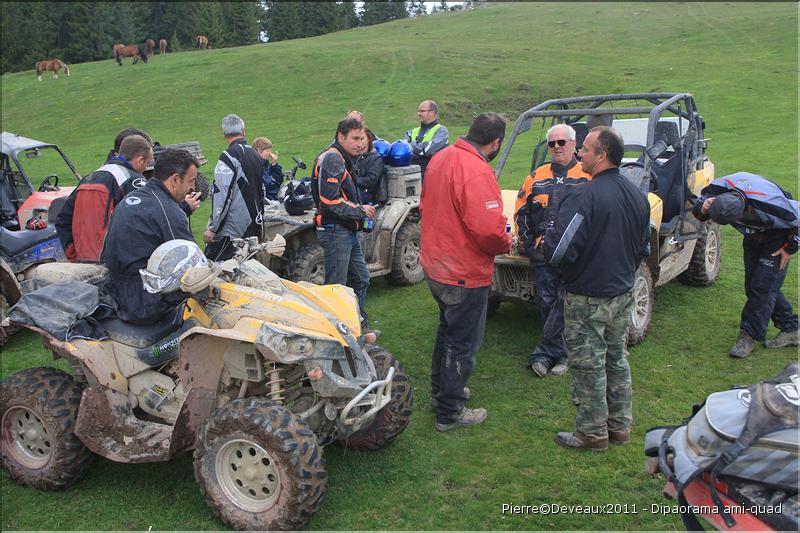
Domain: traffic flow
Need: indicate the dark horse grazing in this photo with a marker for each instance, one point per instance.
(151, 46)
(202, 42)
(51, 64)
(131, 50)
(162, 46)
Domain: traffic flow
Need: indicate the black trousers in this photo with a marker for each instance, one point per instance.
(763, 280)
(462, 319)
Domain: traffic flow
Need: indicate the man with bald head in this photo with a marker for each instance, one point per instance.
(599, 237)
(429, 137)
(537, 203)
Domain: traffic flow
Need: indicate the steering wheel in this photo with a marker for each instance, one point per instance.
(46, 186)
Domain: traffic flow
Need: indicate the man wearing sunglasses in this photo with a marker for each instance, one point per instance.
(539, 195)
(429, 137)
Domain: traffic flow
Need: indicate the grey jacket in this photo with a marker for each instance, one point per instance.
(237, 196)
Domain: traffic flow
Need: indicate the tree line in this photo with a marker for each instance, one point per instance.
(85, 31)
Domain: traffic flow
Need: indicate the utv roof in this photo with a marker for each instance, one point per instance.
(12, 144)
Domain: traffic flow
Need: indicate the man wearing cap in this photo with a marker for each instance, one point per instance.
(768, 218)
(429, 137)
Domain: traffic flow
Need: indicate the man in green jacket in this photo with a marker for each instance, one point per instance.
(429, 137)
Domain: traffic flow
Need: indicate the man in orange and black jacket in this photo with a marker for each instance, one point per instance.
(539, 196)
(339, 215)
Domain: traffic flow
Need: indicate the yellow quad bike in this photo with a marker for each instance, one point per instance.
(254, 373)
(665, 157)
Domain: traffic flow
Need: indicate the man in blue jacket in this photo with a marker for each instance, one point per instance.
(768, 217)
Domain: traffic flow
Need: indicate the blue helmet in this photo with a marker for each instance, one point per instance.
(382, 147)
(400, 154)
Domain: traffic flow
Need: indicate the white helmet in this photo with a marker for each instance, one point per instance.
(168, 263)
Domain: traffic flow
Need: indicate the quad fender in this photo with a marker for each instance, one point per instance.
(9, 285)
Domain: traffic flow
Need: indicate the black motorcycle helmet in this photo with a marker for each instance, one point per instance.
(298, 204)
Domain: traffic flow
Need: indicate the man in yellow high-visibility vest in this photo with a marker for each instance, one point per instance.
(429, 137)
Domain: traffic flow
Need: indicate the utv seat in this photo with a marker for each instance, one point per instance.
(667, 172)
(143, 336)
(15, 242)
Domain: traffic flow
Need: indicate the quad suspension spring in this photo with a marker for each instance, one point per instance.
(275, 384)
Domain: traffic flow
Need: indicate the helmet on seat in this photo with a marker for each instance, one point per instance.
(168, 263)
(298, 198)
(400, 154)
(382, 147)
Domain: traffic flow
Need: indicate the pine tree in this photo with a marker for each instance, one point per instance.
(378, 12)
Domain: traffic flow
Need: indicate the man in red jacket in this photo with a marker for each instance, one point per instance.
(463, 228)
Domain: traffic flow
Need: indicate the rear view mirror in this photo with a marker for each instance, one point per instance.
(657, 150)
(33, 154)
(299, 162)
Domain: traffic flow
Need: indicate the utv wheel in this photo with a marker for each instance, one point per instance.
(202, 186)
(642, 311)
(406, 268)
(259, 466)
(38, 409)
(307, 264)
(392, 419)
(703, 269)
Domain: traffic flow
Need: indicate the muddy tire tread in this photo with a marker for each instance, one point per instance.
(291, 443)
(394, 418)
(55, 397)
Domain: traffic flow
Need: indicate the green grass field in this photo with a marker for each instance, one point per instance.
(740, 62)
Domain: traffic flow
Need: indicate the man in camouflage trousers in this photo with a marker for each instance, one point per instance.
(598, 239)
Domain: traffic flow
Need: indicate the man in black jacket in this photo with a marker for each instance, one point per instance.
(145, 219)
(599, 238)
(339, 214)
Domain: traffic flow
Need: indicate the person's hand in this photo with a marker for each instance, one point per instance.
(273, 156)
(193, 199)
(208, 236)
(707, 205)
(369, 210)
(785, 257)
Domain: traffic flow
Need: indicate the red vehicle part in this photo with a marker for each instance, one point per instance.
(698, 496)
(39, 202)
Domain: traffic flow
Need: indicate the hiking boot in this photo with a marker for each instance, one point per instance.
(559, 370)
(572, 440)
(619, 437)
(435, 402)
(744, 345)
(783, 339)
(469, 417)
(539, 368)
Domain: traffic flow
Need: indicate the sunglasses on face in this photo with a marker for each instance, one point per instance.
(560, 142)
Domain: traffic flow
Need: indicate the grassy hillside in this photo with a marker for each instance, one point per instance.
(503, 58)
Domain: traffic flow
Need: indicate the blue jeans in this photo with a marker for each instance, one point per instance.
(344, 262)
(462, 319)
(550, 301)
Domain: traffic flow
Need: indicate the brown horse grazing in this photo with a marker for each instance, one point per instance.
(151, 46)
(51, 64)
(162, 46)
(131, 50)
(202, 42)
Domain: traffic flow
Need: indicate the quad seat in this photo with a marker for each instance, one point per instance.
(143, 336)
(15, 242)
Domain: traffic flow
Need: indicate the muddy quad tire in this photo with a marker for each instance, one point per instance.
(5, 307)
(259, 466)
(202, 186)
(406, 268)
(38, 410)
(307, 264)
(392, 419)
(642, 311)
(703, 269)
